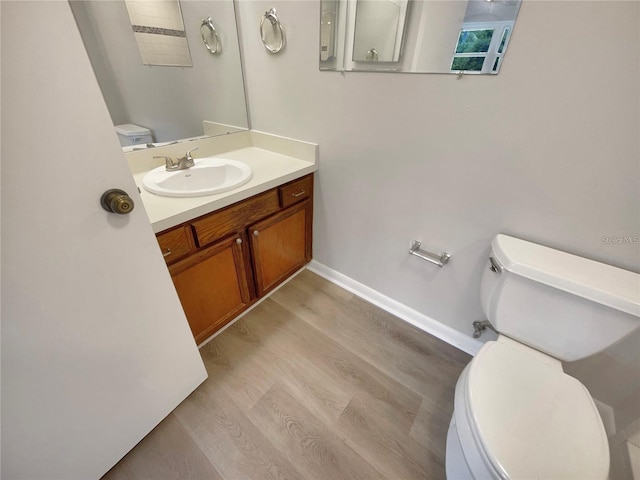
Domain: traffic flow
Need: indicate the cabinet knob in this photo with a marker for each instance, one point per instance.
(239, 241)
(256, 233)
(116, 201)
(167, 252)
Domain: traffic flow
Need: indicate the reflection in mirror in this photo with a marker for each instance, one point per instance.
(210, 36)
(418, 36)
(152, 103)
(379, 30)
(159, 32)
(328, 33)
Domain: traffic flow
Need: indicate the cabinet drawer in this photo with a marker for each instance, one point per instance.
(234, 218)
(295, 191)
(174, 244)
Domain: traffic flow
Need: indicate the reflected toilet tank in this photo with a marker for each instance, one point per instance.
(130, 134)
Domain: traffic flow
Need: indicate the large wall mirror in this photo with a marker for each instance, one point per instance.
(416, 36)
(155, 70)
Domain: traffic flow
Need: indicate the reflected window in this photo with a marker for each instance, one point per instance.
(503, 42)
(474, 41)
(480, 47)
(469, 64)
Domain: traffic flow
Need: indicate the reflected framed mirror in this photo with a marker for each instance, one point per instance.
(416, 36)
(160, 82)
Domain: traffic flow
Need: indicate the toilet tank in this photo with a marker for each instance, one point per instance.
(130, 134)
(564, 305)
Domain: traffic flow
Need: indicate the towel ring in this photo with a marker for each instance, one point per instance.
(209, 33)
(271, 15)
(372, 55)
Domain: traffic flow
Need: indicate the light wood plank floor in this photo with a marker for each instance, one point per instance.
(314, 383)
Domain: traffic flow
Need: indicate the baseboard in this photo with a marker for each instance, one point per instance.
(409, 315)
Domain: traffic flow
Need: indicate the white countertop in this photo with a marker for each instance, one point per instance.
(270, 169)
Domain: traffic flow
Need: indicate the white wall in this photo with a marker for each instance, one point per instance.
(547, 150)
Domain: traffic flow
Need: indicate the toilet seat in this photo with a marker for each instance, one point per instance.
(519, 415)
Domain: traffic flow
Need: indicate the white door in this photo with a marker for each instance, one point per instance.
(95, 347)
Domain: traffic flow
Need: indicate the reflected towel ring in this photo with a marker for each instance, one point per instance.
(209, 34)
(271, 15)
(372, 55)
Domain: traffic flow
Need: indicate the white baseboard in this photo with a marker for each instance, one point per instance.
(415, 318)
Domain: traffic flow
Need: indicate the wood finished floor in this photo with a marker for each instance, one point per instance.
(314, 383)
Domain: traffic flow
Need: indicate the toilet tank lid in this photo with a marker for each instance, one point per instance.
(611, 286)
(129, 129)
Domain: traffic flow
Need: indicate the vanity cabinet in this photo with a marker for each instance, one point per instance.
(175, 244)
(280, 247)
(212, 286)
(223, 262)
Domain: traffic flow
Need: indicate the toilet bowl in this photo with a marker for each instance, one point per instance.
(519, 416)
(516, 413)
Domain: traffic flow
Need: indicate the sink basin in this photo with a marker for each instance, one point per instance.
(209, 176)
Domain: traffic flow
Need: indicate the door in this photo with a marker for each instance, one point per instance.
(212, 286)
(281, 244)
(96, 349)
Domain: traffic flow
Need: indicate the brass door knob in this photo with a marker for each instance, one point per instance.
(116, 201)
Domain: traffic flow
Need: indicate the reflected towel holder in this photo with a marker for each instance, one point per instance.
(211, 33)
(271, 15)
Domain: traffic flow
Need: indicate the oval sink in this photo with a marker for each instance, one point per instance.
(209, 176)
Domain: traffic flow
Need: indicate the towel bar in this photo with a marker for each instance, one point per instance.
(439, 260)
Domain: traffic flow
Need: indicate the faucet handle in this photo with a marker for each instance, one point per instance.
(169, 164)
(188, 156)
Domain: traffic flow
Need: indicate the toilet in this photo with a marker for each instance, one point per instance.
(130, 134)
(517, 415)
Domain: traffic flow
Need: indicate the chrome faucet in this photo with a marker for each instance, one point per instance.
(182, 164)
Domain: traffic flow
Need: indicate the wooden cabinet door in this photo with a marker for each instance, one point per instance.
(281, 244)
(212, 286)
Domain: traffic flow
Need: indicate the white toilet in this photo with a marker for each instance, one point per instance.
(130, 134)
(517, 415)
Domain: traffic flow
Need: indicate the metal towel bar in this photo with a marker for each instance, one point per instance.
(439, 260)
